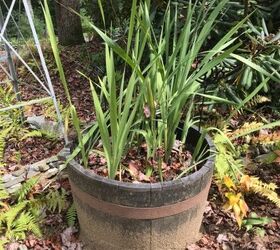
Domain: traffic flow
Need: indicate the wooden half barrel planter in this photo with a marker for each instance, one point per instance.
(115, 215)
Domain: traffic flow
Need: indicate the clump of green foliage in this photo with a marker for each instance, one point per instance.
(12, 124)
(10, 121)
(162, 82)
(19, 29)
(231, 177)
(22, 213)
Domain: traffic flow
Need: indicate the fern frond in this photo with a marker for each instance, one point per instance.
(26, 188)
(258, 99)
(18, 220)
(3, 241)
(3, 192)
(4, 195)
(267, 139)
(227, 162)
(3, 137)
(221, 166)
(49, 133)
(5, 121)
(36, 205)
(33, 133)
(266, 190)
(7, 94)
(26, 222)
(245, 129)
(13, 212)
(10, 120)
(71, 215)
(35, 228)
(3, 217)
(56, 200)
(21, 223)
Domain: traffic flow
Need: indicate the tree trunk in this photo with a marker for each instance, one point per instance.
(69, 27)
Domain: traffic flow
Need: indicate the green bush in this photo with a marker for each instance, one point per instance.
(23, 26)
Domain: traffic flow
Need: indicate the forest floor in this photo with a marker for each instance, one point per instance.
(219, 230)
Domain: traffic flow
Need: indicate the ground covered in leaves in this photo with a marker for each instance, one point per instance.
(220, 230)
(31, 150)
(77, 60)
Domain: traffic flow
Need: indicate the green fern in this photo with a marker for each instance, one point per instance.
(5, 121)
(227, 162)
(48, 133)
(3, 241)
(26, 222)
(33, 133)
(26, 188)
(25, 213)
(18, 219)
(56, 200)
(8, 98)
(266, 190)
(10, 121)
(37, 204)
(7, 95)
(20, 225)
(71, 215)
(13, 212)
(34, 228)
(3, 137)
(229, 172)
(3, 192)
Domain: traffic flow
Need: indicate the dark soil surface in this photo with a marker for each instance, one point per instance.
(137, 168)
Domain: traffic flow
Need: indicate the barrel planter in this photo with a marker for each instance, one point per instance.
(115, 215)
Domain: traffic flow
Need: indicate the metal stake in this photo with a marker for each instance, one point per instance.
(46, 71)
(11, 65)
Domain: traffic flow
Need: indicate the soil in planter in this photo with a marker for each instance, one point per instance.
(137, 168)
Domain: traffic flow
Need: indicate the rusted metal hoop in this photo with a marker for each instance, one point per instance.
(142, 213)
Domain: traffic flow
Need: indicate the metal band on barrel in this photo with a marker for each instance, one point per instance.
(141, 213)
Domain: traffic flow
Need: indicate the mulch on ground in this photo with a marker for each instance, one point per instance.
(76, 60)
(30, 150)
(220, 230)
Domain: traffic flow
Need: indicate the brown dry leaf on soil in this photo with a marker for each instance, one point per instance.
(143, 177)
(133, 169)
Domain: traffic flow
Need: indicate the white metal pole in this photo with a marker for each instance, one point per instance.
(44, 66)
(3, 28)
(24, 63)
(11, 65)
